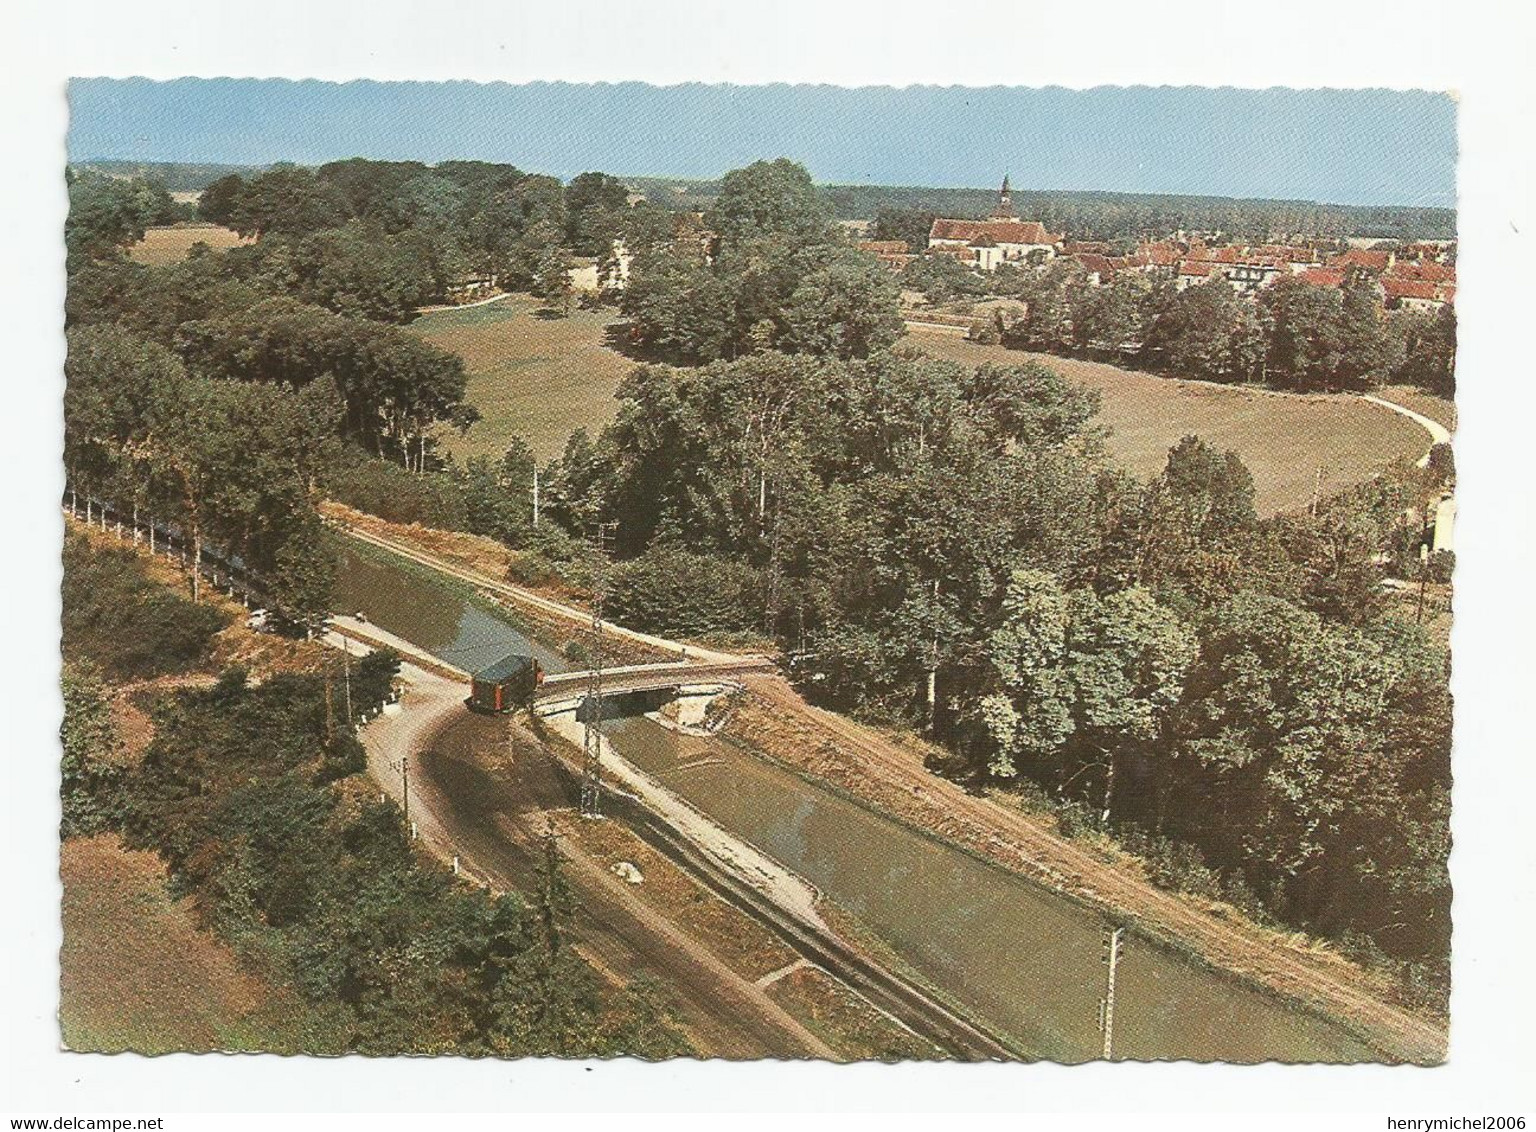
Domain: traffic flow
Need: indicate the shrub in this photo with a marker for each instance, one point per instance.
(669, 589)
(984, 331)
(130, 626)
(1441, 566)
(433, 499)
(1175, 865)
(1073, 820)
(533, 569)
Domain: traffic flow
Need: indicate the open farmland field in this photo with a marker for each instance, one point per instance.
(137, 974)
(538, 377)
(1283, 438)
(170, 245)
(544, 377)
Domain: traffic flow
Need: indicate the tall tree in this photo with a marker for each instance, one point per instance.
(847, 309)
(769, 199)
(1080, 680)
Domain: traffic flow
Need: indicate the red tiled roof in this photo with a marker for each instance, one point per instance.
(999, 231)
(1157, 254)
(883, 247)
(960, 252)
(1096, 264)
(1201, 267)
(1286, 253)
(1396, 288)
(1428, 269)
(1322, 277)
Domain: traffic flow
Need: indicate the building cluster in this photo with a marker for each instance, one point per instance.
(1418, 277)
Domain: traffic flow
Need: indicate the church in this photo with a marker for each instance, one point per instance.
(1002, 237)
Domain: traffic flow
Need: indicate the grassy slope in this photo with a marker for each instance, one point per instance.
(137, 974)
(1283, 438)
(538, 377)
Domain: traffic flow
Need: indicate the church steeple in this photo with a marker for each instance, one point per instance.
(1004, 209)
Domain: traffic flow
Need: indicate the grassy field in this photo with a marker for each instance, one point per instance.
(537, 377)
(1283, 438)
(544, 377)
(137, 974)
(170, 245)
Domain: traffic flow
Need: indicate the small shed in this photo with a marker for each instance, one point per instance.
(506, 685)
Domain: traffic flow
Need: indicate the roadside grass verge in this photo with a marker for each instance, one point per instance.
(845, 1021)
(741, 943)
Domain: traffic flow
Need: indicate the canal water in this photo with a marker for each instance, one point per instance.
(1018, 957)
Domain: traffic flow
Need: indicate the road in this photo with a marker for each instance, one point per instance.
(616, 930)
(1445, 509)
(874, 763)
(621, 927)
(464, 306)
(1438, 433)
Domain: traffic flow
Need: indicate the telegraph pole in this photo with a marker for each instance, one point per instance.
(1426, 537)
(1113, 939)
(346, 675)
(592, 735)
(404, 766)
(535, 494)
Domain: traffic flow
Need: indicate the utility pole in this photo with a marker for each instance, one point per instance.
(933, 662)
(535, 494)
(404, 766)
(346, 675)
(1113, 938)
(592, 735)
(1425, 537)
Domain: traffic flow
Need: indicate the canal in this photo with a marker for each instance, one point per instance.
(1018, 957)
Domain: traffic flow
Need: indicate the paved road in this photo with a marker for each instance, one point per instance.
(1438, 433)
(1445, 509)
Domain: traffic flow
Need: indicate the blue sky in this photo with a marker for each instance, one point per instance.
(1340, 146)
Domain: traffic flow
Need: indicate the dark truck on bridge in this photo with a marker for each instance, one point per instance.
(506, 685)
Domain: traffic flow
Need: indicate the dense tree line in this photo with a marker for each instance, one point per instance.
(210, 394)
(1092, 215)
(1293, 336)
(769, 270)
(380, 238)
(231, 463)
(109, 213)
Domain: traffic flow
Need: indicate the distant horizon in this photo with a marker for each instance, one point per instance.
(1015, 187)
(1361, 148)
